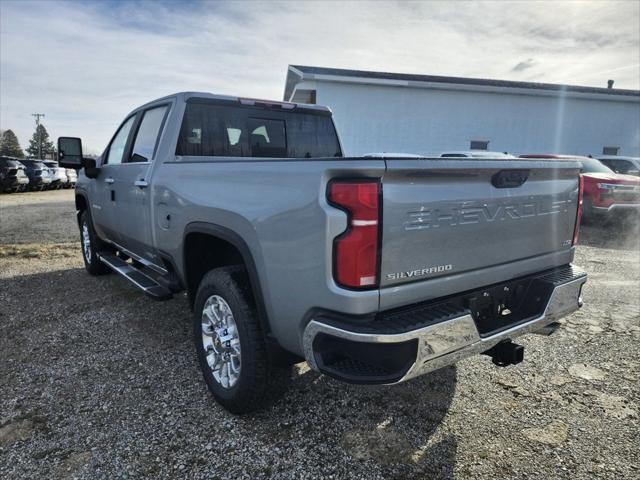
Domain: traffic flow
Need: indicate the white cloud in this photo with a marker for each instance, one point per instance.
(87, 65)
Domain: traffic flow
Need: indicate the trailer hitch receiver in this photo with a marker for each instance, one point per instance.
(506, 353)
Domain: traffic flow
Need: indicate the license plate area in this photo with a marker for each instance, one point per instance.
(506, 305)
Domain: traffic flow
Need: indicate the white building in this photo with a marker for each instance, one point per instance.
(425, 114)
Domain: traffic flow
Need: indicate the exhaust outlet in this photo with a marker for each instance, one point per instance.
(506, 353)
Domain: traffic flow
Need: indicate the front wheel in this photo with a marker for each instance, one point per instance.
(229, 342)
(91, 245)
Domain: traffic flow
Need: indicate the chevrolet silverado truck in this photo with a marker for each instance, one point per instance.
(373, 269)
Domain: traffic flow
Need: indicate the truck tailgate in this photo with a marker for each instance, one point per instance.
(442, 217)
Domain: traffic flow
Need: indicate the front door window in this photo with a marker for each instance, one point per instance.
(119, 143)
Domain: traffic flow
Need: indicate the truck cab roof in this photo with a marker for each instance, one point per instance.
(194, 96)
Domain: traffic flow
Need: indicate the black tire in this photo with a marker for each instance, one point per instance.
(249, 393)
(91, 262)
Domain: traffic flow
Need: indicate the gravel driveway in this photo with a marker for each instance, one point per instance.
(99, 381)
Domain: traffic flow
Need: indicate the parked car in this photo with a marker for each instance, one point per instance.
(72, 178)
(58, 174)
(374, 270)
(12, 175)
(623, 165)
(606, 193)
(476, 154)
(38, 173)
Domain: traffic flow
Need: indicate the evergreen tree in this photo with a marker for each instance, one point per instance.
(9, 145)
(40, 145)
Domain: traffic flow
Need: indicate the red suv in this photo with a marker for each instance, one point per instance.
(605, 191)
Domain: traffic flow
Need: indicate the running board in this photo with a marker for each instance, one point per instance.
(145, 283)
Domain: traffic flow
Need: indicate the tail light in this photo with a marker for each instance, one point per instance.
(576, 230)
(355, 251)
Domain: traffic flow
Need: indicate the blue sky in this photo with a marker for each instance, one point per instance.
(86, 64)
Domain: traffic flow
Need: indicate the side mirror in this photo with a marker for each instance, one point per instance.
(70, 156)
(70, 152)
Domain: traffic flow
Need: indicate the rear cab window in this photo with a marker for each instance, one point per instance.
(214, 130)
(267, 137)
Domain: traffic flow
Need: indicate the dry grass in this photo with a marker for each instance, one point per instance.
(40, 250)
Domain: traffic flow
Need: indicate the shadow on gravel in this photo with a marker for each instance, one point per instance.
(394, 427)
(622, 233)
(120, 383)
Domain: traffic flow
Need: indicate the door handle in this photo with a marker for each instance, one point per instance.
(141, 183)
(109, 180)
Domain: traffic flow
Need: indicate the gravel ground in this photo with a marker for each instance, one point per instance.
(98, 381)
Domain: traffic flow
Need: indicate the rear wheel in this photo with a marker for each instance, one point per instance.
(229, 342)
(91, 245)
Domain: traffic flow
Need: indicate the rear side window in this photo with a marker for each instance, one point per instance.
(233, 131)
(147, 137)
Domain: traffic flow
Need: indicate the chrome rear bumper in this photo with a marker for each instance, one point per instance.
(444, 343)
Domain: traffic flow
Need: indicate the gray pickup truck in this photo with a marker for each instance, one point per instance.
(374, 269)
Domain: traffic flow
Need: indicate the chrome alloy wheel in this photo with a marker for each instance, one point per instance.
(86, 243)
(221, 341)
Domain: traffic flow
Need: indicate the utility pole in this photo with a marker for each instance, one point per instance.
(38, 115)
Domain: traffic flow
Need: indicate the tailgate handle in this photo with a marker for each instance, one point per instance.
(509, 178)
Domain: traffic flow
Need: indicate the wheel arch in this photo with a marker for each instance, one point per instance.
(82, 204)
(234, 247)
(81, 201)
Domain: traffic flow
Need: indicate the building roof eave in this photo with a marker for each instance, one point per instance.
(297, 73)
